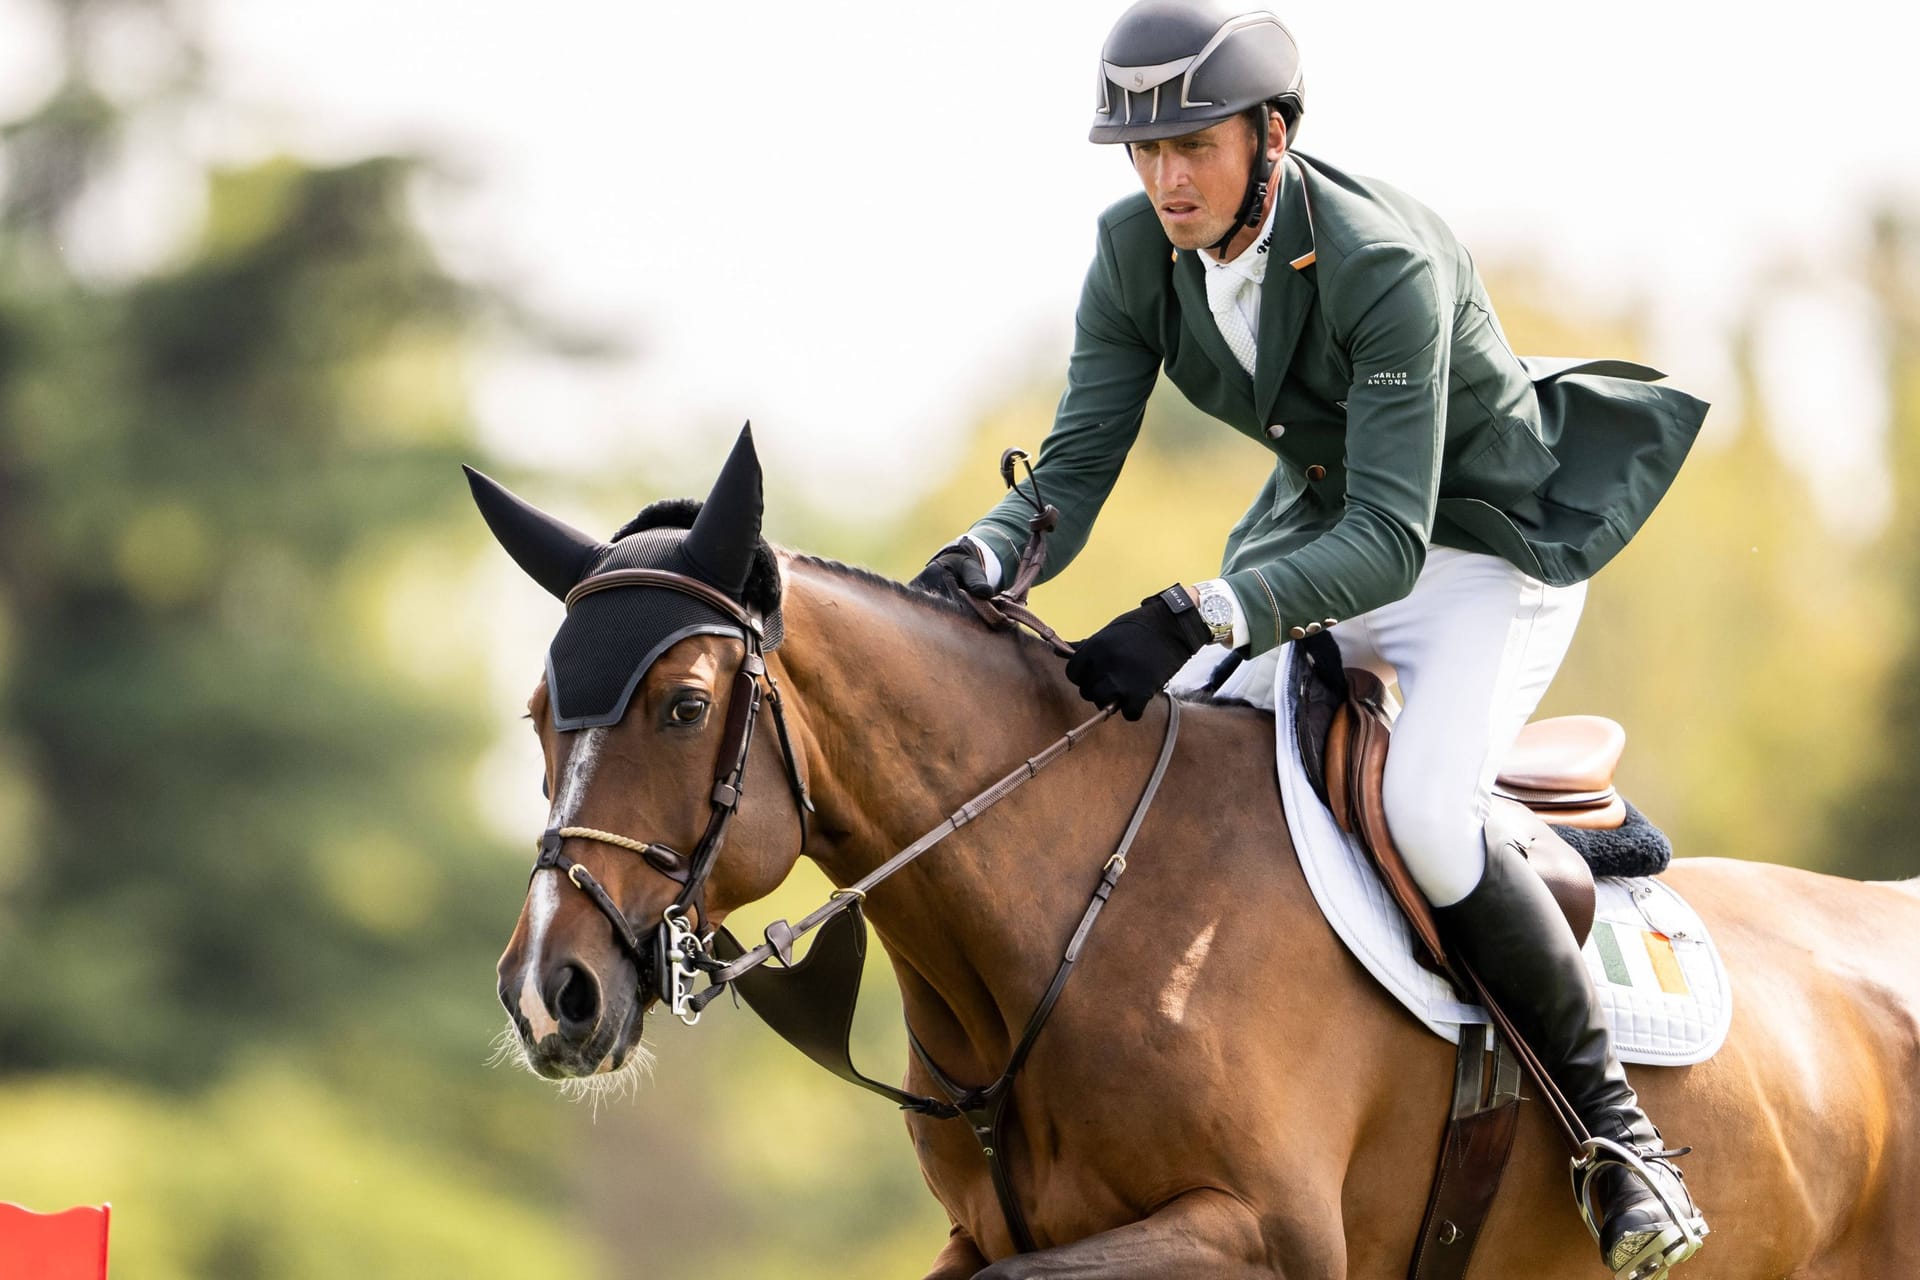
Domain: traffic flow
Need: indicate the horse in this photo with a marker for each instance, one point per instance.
(1222, 1091)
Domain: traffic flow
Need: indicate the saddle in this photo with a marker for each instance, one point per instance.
(1559, 772)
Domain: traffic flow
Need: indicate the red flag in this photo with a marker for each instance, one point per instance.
(53, 1246)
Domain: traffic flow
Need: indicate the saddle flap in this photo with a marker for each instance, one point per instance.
(1568, 877)
(1366, 767)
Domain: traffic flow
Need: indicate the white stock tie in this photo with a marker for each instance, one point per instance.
(1224, 289)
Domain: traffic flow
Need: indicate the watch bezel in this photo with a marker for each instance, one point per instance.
(1216, 610)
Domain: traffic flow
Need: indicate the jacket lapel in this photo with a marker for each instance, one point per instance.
(1287, 293)
(1190, 284)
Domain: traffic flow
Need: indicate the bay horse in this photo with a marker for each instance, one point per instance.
(1222, 1091)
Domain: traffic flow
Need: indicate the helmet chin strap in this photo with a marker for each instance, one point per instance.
(1253, 205)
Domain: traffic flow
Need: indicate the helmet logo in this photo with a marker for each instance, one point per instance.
(1138, 80)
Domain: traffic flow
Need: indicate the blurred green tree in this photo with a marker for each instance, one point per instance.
(239, 715)
(240, 812)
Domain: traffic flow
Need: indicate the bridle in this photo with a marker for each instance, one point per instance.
(673, 957)
(679, 954)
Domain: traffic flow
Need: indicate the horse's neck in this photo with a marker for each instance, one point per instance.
(907, 712)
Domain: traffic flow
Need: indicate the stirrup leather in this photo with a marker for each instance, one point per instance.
(1654, 1256)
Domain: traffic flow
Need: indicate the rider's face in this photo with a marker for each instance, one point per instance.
(1196, 181)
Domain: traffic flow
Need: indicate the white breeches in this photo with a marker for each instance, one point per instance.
(1473, 646)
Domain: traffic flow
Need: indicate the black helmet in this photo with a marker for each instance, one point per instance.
(1172, 67)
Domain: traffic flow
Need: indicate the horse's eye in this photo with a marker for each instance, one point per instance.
(688, 711)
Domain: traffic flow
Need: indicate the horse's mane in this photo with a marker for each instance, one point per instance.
(954, 609)
(925, 599)
(940, 604)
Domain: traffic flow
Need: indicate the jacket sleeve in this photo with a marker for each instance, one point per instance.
(1386, 310)
(1110, 375)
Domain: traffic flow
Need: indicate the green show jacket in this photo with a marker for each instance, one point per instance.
(1397, 415)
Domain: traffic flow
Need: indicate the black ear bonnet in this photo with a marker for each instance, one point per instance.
(611, 638)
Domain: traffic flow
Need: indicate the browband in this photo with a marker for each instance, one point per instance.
(672, 581)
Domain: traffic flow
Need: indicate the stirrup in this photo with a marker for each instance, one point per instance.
(1661, 1251)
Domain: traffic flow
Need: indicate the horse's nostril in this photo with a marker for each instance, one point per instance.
(573, 997)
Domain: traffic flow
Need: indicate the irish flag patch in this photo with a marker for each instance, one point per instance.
(1638, 958)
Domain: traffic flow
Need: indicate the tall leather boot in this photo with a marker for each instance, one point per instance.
(1510, 931)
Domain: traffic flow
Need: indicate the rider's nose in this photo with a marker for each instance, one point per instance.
(573, 998)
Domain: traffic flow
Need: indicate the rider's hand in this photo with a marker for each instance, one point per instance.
(1130, 659)
(956, 570)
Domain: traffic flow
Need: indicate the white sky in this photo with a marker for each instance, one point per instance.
(856, 222)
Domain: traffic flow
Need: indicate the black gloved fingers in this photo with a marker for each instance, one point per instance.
(1129, 660)
(956, 569)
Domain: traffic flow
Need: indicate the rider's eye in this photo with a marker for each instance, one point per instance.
(688, 711)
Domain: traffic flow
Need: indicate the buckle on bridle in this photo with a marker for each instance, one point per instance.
(677, 950)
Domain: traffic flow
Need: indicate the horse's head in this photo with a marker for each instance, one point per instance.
(646, 716)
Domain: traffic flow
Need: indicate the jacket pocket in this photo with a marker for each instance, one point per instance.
(1511, 463)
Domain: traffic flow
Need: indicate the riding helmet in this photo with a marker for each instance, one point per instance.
(1173, 67)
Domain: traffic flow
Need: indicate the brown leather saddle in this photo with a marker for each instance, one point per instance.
(1559, 772)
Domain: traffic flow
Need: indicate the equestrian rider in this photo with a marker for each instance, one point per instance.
(1436, 503)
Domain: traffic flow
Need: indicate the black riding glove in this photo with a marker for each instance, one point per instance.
(1130, 659)
(957, 570)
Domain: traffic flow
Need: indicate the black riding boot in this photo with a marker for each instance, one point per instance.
(1511, 932)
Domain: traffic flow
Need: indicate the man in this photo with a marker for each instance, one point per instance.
(1436, 503)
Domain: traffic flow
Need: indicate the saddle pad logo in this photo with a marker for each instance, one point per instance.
(1638, 958)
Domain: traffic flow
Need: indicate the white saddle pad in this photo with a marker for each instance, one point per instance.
(1660, 978)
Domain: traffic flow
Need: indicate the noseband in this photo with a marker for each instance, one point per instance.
(674, 950)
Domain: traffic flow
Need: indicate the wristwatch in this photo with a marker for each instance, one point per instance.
(1216, 610)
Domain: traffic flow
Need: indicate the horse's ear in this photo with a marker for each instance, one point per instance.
(726, 533)
(555, 554)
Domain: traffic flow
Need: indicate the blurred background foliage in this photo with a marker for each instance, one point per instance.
(249, 897)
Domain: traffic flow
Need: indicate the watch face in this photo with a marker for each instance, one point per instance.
(1216, 610)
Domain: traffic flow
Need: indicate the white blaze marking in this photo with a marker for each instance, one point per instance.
(543, 898)
(1180, 984)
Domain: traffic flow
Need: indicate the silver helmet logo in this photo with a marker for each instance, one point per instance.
(1138, 80)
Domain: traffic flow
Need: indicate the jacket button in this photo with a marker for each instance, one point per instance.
(1277, 430)
(1314, 628)
(1297, 633)
(1330, 622)
(1316, 472)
